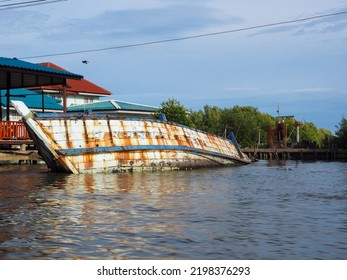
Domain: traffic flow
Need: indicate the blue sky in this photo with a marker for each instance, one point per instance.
(301, 66)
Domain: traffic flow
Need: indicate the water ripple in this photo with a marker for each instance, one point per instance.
(268, 210)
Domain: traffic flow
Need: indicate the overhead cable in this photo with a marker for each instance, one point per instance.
(27, 4)
(187, 37)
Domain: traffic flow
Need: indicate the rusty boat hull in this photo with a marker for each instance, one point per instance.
(91, 143)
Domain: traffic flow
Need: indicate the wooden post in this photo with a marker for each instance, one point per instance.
(23, 147)
(43, 101)
(0, 107)
(64, 99)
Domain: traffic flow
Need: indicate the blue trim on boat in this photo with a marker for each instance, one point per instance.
(98, 150)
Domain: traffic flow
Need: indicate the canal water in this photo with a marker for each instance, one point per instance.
(267, 210)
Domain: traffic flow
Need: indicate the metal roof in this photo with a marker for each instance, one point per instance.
(112, 105)
(136, 107)
(15, 73)
(32, 99)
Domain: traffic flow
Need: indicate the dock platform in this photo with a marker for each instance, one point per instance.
(18, 151)
(296, 154)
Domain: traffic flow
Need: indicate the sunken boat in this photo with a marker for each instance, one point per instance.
(91, 143)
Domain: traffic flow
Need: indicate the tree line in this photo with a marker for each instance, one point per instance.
(249, 125)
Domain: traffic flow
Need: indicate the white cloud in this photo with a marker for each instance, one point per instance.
(306, 90)
(242, 89)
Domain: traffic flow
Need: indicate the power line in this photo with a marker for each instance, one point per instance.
(187, 37)
(21, 3)
(27, 4)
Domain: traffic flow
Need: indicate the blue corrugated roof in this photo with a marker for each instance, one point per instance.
(112, 105)
(32, 99)
(20, 64)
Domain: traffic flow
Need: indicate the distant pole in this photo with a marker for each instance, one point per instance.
(278, 110)
(0, 105)
(8, 96)
(43, 101)
(297, 126)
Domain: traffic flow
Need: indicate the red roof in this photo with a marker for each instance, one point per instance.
(75, 86)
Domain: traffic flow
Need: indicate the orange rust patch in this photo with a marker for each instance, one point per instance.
(179, 140)
(109, 134)
(67, 135)
(85, 134)
(108, 139)
(88, 160)
(49, 134)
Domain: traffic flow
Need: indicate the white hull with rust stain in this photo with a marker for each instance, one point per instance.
(105, 144)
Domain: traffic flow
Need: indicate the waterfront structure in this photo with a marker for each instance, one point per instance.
(15, 73)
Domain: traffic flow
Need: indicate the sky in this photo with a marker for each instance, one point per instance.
(300, 67)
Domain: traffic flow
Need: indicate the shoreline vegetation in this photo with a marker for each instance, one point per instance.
(251, 127)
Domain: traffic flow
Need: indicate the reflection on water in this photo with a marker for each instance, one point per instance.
(278, 210)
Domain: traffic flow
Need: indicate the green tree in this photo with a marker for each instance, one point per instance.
(310, 133)
(291, 130)
(341, 133)
(246, 122)
(197, 118)
(175, 112)
(212, 120)
(325, 138)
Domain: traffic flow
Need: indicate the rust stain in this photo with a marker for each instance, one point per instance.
(202, 143)
(127, 139)
(96, 123)
(143, 155)
(168, 131)
(67, 135)
(188, 140)
(179, 140)
(97, 142)
(148, 134)
(88, 160)
(49, 134)
(108, 140)
(86, 137)
(135, 138)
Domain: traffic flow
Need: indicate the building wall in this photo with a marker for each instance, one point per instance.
(75, 99)
(14, 116)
